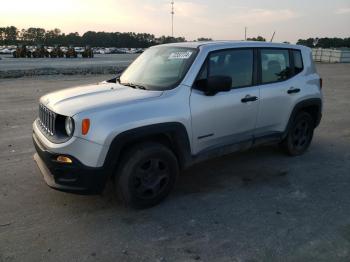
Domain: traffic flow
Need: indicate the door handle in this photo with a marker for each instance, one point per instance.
(249, 98)
(293, 90)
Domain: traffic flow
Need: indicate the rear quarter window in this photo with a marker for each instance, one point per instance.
(298, 61)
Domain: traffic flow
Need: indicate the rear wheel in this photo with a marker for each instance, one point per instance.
(300, 135)
(146, 175)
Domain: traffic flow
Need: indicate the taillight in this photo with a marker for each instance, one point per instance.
(321, 83)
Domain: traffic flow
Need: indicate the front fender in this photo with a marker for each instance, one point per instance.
(176, 132)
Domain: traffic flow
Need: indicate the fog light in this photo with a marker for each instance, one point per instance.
(64, 159)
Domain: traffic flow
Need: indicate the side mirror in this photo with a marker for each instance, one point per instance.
(112, 80)
(115, 79)
(215, 84)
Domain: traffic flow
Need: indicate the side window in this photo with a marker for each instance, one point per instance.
(298, 61)
(203, 74)
(275, 65)
(238, 64)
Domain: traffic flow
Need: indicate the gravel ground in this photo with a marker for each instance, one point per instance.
(100, 64)
(255, 206)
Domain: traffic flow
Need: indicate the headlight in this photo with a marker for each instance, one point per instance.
(69, 125)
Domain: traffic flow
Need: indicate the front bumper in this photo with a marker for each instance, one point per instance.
(74, 177)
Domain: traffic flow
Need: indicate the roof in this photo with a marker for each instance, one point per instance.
(233, 44)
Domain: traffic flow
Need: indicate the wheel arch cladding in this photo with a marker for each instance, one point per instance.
(312, 106)
(173, 135)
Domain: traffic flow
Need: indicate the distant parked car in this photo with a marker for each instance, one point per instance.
(79, 50)
(71, 53)
(57, 52)
(118, 51)
(41, 52)
(6, 51)
(87, 53)
(21, 52)
(139, 51)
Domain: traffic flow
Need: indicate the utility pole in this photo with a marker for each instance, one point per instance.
(245, 33)
(172, 19)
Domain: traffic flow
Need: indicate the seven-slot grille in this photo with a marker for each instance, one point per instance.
(47, 119)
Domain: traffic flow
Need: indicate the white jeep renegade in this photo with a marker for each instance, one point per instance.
(175, 105)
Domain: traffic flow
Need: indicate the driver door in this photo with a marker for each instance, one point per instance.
(227, 117)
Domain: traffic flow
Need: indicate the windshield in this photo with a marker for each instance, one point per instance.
(159, 68)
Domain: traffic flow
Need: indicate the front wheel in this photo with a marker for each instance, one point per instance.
(299, 135)
(146, 175)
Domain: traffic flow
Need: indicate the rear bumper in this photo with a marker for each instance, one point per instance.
(74, 177)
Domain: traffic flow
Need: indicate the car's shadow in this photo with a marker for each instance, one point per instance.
(252, 167)
(265, 165)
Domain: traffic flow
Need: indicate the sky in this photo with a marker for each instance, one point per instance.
(217, 19)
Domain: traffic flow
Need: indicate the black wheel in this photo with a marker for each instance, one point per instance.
(300, 135)
(146, 175)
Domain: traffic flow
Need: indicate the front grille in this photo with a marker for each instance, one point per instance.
(47, 119)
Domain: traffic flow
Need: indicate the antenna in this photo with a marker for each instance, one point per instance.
(172, 19)
(245, 33)
(273, 35)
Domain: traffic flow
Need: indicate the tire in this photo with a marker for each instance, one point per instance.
(146, 175)
(299, 135)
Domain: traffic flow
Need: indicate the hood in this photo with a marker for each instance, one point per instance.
(71, 101)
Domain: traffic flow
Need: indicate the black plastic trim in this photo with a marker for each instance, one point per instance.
(75, 177)
(302, 105)
(58, 137)
(271, 138)
(291, 62)
(255, 66)
(78, 178)
(205, 136)
(174, 131)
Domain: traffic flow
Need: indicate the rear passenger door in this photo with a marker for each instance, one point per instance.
(227, 117)
(279, 88)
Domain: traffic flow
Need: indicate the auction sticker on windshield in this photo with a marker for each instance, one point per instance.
(180, 55)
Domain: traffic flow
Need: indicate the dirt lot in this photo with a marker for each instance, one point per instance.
(255, 206)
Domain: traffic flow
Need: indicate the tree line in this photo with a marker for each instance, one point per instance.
(11, 35)
(259, 38)
(325, 42)
(34, 36)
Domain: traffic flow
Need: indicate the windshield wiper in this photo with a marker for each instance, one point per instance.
(134, 86)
